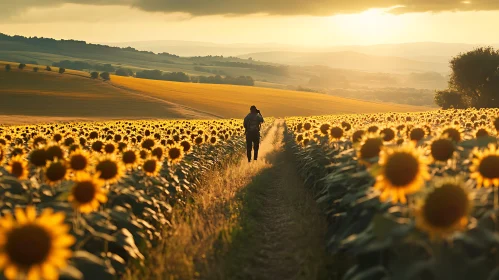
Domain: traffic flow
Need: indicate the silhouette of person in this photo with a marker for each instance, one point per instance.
(252, 125)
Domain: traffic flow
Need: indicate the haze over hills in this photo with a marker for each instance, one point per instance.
(435, 52)
(350, 60)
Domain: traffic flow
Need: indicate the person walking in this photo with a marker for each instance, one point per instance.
(252, 124)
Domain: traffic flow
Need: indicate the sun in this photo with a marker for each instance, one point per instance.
(371, 25)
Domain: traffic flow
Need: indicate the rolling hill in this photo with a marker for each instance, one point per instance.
(74, 95)
(351, 60)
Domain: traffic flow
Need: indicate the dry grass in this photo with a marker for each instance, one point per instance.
(46, 96)
(229, 101)
(188, 249)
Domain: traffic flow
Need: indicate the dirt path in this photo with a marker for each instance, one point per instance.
(249, 221)
(282, 230)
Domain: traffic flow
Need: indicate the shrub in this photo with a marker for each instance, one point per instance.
(94, 75)
(105, 76)
(21, 66)
(7, 67)
(62, 70)
(48, 68)
(35, 69)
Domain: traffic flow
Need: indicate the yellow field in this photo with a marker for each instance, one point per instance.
(49, 96)
(229, 101)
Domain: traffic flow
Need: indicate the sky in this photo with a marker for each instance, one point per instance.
(297, 22)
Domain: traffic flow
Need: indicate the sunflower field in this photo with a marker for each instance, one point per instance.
(84, 200)
(406, 195)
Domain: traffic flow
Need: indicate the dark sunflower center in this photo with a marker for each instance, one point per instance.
(324, 128)
(489, 167)
(388, 134)
(357, 136)
(97, 146)
(55, 172)
(84, 191)
(109, 148)
(78, 162)
(150, 166)
(445, 206)
(417, 134)
(28, 245)
(129, 157)
(174, 153)
(108, 169)
(442, 149)
(401, 169)
(186, 145)
(371, 148)
(17, 169)
(157, 152)
(453, 133)
(482, 133)
(38, 157)
(148, 144)
(336, 132)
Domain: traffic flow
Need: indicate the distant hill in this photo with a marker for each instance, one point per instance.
(420, 51)
(350, 60)
(192, 48)
(74, 95)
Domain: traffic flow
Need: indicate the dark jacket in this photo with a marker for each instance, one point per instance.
(252, 122)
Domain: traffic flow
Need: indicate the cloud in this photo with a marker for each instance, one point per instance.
(271, 7)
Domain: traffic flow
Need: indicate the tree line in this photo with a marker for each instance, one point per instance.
(183, 77)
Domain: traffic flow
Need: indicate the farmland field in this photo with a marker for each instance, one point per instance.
(345, 195)
(50, 96)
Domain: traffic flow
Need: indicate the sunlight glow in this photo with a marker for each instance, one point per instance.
(371, 25)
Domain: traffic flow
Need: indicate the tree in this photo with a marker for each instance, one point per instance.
(21, 66)
(105, 76)
(124, 72)
(450, 99)
(475, 74)
(62, 70)
(35, 69)
(48, 68)
(7, 67)
(94, 75)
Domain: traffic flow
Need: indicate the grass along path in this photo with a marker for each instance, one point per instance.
(282, 232)
(250, 221)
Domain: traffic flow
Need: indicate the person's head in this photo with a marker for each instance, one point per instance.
(253, 109)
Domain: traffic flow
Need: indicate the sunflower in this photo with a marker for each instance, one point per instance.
(151, 166)
(54, 151)
(55, 171)
(87, 193)
(174, 153)
(109, 169)
(38, 157)
(130, 158)
(369, 148)
(485, 167)
(186, 145)
(158, 152)
(18, 167)
(442, 149)
(34, 248)
(454, 132)
(79, 160)
(445, 209)
(403, 170)
(481, 131)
